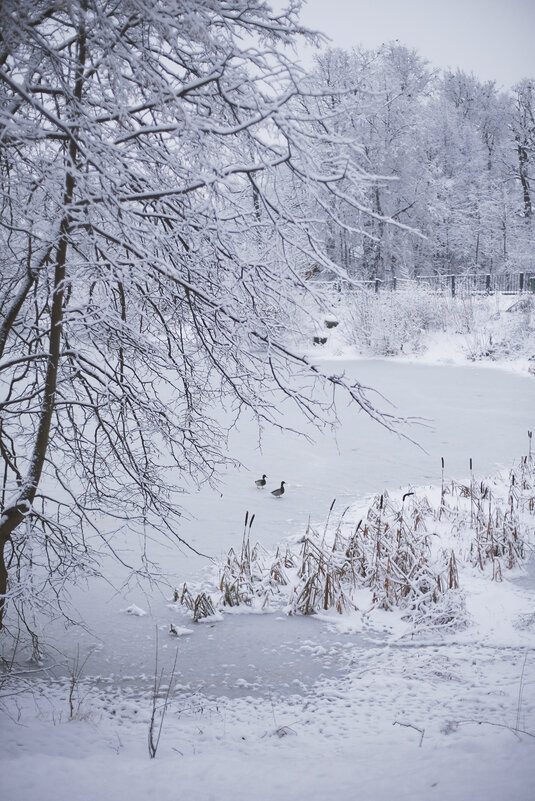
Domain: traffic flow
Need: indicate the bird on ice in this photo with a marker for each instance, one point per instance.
(261, 482)
(280, 491)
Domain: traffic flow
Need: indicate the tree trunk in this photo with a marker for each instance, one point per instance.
(13, 311)
(524, 180)
(15, 513)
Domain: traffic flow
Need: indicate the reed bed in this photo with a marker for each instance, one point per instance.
(403, 553)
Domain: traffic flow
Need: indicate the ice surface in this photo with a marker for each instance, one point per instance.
(477, 413)
(266, 706)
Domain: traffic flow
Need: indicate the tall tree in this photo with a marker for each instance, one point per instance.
(150, 251)
(523, 129)
(381, 95)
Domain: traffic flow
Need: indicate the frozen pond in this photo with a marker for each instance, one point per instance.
(241, 655)
(476, 413)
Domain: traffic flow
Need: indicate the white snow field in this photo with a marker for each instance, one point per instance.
(363, 705)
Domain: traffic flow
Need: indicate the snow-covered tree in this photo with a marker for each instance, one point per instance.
(452, 159)
(150, 247)
(522, 121)
(373, 98)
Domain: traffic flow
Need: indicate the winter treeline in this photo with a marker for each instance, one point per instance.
(453, 158)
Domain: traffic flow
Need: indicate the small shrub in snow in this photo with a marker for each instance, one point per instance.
(497, 535)
(201, 606)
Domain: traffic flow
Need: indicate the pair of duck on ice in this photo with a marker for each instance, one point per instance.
(261, 483)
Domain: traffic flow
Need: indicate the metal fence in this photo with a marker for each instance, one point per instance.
(480, 284)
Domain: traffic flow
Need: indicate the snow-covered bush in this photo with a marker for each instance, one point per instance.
(387, 323)
(410, 320)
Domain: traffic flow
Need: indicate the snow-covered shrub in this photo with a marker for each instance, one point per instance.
(239, 580)
(492, 524)
(501, 333)
(387, 323)
(201, 605)
(321, 579)
(409, 321)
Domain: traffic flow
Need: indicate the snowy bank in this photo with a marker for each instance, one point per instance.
(495, 330)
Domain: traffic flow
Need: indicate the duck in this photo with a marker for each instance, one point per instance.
(280, 491)
(261, 482)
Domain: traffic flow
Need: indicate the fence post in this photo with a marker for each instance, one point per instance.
(394, 283)
(377, 285)
(487, 284)
(521, 282)
(453, 286)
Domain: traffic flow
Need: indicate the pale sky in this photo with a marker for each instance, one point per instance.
(494, 39)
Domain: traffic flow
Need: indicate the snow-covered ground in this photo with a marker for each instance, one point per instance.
(361, 705)
(440, 717)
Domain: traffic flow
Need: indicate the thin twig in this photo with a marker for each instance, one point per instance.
(520, 691)
(499, 725)
(410, 726)
(152, 741)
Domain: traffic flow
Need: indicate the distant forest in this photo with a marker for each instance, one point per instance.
(455, 156)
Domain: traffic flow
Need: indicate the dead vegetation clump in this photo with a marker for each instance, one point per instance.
(402, 555)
